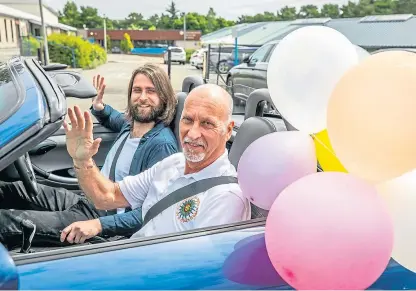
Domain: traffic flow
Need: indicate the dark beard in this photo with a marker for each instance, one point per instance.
(152, 116)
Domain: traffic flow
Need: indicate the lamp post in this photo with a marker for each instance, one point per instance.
(45, 35)
(105, 34)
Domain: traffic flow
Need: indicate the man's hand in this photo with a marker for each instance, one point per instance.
(80, 143)
(80, 231)
(97, 102)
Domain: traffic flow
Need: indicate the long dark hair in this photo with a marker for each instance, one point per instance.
(164, 89)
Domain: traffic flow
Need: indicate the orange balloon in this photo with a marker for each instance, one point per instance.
(371, 116)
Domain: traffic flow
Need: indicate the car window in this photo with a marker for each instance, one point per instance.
(260, 54)
(176, 50)
(8, 93)
(270, 53)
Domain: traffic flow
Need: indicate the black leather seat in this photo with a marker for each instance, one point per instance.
(251, 129)
(177, 119)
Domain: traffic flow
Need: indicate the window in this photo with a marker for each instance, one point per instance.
(176, 50)
(259, 55)
(11, 28)
(5, 29)
(270, 54)
(8, 93)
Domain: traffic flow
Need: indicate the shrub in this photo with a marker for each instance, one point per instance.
(126, 45)
(65, 48)
(30, 46)
(189, 53)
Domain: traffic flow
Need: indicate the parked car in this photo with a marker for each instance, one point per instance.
(178, 54)
(251, 74)
(224, 66)
(197, 58)
(32, 148)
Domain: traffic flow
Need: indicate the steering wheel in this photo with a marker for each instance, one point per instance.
(27, 175)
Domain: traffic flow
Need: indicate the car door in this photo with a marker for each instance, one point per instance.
(52, 163)
(259, 63)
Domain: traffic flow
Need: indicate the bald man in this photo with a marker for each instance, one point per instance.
(205, 128)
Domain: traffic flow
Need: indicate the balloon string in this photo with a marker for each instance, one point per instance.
(324, 145)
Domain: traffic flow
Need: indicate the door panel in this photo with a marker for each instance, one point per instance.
(54, 165)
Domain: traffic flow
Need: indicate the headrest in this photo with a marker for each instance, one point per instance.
(181, 96)
(250, 130)
(253, 100)
(191, 82)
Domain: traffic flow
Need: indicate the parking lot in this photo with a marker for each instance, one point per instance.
(117, 72)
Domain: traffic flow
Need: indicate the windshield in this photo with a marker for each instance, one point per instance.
(8, 93)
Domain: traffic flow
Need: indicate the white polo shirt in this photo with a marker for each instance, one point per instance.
(221, 204)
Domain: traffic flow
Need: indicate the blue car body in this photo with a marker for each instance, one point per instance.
(227, 257)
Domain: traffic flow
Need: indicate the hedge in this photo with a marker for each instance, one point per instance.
(63, 47)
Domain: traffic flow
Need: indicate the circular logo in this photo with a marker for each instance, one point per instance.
(187, 209)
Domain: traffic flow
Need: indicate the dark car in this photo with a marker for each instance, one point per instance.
(244, 52)
(251, 74)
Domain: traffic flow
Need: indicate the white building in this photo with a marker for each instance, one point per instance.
(20, 19)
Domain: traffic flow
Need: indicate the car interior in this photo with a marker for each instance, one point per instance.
(37, 154)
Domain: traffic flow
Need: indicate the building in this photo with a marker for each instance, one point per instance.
(369, 32)
(147, 38)
(17, 25)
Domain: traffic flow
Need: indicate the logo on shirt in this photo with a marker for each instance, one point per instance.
(187, 209)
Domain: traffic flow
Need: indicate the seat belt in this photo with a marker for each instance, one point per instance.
(186, 192)
(112, 175)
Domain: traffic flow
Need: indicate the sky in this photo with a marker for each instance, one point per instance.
(231, 9)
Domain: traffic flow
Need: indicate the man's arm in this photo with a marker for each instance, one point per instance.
(105, 114)
(103, 192)
(122, 224)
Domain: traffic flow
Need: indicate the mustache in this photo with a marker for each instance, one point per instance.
(193, 142)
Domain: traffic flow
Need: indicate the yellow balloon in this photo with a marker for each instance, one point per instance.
(325, 153)
(399, 196)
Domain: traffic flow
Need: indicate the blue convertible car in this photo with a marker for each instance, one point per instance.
(32, 149)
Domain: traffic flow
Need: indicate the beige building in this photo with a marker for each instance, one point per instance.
(17, 24)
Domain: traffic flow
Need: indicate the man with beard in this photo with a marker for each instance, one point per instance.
(144, 139)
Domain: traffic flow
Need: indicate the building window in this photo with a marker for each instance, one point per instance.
(5, 29)
(11, 27)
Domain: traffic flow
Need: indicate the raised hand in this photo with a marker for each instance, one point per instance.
(80, 142)
(97, 102)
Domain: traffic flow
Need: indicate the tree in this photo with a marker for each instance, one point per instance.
(70, 15)
(287, 13)
(173, 13)
(89, 17)
(126, 45)
(330, 10)
(309, 11)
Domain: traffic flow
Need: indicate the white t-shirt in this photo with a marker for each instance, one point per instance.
(124, 160)
(221, 204)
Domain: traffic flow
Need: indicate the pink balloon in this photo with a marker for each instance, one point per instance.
(274, 161)
(329, 230)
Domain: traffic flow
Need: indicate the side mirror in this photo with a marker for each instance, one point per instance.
(73, 84)
(246, 59)
(9, 279)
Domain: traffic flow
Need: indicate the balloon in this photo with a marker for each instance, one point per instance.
(362, 53)
(250, 264)
(371, 117)
(329, 231)
(325, 153)
(272, 162)
(400, 197)
(302, 72)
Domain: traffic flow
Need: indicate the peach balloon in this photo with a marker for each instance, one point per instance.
(371, 116)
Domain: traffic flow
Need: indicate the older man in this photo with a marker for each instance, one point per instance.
(205, 127)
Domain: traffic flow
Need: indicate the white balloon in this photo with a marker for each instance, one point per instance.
(400, 197)
(362, 53)
(303, 71)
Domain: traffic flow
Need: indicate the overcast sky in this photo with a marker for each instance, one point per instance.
(229, 9)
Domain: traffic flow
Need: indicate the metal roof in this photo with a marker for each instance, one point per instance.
(375, 31)
(14, 13)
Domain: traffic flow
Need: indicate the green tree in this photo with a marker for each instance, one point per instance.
(89, 16)
(330, 10)
(126, 45)
(309, 11)
(287, 13)
(70, 15)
